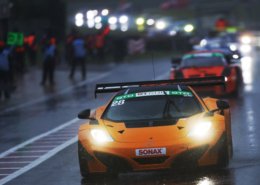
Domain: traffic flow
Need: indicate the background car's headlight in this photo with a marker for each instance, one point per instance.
(100, 136)
(233, 47)
(201, 130)
(246, 39)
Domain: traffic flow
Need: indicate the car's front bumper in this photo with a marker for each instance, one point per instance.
(121, 157)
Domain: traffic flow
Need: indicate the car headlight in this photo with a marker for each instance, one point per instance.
(200, 130)
(226, 79)
(233, 47)
(235, 56)
(100, 136)
(246, 39)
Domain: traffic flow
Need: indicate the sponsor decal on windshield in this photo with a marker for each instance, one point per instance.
(203, 55)
(153, 93)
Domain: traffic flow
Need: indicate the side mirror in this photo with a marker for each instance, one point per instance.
(85, 114)
(222, 105)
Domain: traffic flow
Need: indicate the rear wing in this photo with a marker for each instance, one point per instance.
(115, 87)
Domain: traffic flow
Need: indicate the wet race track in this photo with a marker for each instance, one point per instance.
(38, 136)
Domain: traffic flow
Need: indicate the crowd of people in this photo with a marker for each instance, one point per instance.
(15, 60)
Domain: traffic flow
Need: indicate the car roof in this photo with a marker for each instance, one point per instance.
(154, 88)
(207, 51)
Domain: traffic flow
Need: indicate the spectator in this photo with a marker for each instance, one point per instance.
(50, 56)
(19, 59)
(69, 48)
(79, 54)
(31, 45)
(100, 45)
(5, 72)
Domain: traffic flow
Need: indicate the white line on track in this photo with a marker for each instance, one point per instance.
(12, 168)
(46, 142)
(38, 161)
(42, 99)
(13, 162)
(18, 157)
(35, 151)
(46, 146)
(40, 158)
(38, 137)
(60, 137)
(71, 135)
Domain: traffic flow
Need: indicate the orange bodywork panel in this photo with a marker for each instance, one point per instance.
(158, 147)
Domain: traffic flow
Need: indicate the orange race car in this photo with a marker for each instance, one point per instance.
(155, 125)
(207, 64)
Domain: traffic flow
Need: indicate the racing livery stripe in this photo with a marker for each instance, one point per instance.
(153, 93)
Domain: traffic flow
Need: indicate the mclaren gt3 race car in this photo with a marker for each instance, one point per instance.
(210, 64)
(155, 125)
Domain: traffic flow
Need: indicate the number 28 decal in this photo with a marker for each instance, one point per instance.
(117, 103)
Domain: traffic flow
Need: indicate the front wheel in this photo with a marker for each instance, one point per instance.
(84, 157)
(239, 84)
(83, 161)
(223, 159)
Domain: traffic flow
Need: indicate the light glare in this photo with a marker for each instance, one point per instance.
(233, 47)
(160, 25)
(98, 26)
(91, 23)
(140, 21)
(124, 28)
(79, 22)
(90, 14)
(201, 130)
(98, 19)
(246, 39)
(150, 22)
(105, 12)
(245, 48)
(113, 27)
(112, 20)
(79, 16)
(123, 19)
(188, 28)
(95, 12)
(100, 136)
(205, 181)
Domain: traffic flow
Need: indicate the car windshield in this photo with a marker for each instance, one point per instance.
(152, 105)
(201, 61)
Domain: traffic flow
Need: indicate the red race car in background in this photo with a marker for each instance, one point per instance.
(210, 64)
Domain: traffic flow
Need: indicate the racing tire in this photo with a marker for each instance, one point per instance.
(239, 84)
(83, 156)
(83, 161)
(223, 159)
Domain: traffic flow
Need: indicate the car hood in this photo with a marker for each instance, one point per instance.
(122, 132)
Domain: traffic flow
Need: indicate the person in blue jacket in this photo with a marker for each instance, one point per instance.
(79, 56)
(5, 72)
(49, 61)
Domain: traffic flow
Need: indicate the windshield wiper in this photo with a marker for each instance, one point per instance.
(169, 102)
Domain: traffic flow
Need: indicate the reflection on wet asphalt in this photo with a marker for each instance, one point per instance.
(244, 168)
(192, 177)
